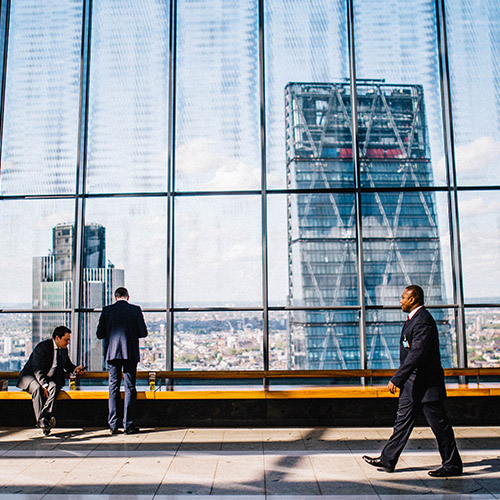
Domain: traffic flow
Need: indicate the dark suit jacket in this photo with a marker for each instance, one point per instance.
(420, 375)
(121, 325)
(40, 363)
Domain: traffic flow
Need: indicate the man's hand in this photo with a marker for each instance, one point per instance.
(45, 391)
(392, 388)
(79, 370)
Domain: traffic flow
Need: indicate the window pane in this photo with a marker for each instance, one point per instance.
(383, 334)
(318, 340)
(406, 241)
(399, 106)
(312, 239)
(473, 39)
(152, 348)
(480, 243)
(40, 134)
(218, 251)
(15, 340)
(126, 241)
(28, 274)
(218, 104)
(128, 96)
(306, 42)
(483, 337)
(218, 341)
(280, 346)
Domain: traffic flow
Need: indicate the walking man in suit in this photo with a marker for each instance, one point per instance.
(43, 375)
(121, 325)
(420, 379)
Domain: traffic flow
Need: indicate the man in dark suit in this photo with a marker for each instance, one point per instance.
(121, 325)
(43, 375)
(420, 378)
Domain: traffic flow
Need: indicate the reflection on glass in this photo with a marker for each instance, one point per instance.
(218, 341)
(398, 91)
(218, 251)
(383, 334)
(134, 230)
(480, 243)
(483, 337)
(402, 245)
(40, 129)
(304, 42)
(128, 116)
(473, 39)
(217, 132)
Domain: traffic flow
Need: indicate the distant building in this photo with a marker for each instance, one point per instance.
(399, 228)
(53, 287)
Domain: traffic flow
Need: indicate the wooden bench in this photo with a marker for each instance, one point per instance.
(365, 389)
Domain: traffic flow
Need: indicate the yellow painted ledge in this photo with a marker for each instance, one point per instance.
(336, 392)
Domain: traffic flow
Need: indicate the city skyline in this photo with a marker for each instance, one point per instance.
(168, 129)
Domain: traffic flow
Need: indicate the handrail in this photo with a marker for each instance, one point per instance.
(276, 374)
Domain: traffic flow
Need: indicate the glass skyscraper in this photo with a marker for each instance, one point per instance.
(400, 229)
(53, 286)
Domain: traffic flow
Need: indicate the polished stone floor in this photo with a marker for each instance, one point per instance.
(254, 464)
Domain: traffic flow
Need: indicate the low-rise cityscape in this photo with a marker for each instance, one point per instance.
(229, 341)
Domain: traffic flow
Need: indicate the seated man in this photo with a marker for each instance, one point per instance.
(43, 375)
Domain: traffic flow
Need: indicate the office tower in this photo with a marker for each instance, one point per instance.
(53, 287)
(400, 233)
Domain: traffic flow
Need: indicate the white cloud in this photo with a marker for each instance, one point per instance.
(482, 153)
(479, 156)
(477, 206)
(204, 165)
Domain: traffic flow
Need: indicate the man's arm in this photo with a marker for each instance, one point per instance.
(142, 330)
(101, 326)
(422, 335)
(40, 355)
(69, 366)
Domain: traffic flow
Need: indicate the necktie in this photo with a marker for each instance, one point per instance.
(59, 375)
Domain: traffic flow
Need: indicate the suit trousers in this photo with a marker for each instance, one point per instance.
(43, 407)
(435, 414)
(115, 369)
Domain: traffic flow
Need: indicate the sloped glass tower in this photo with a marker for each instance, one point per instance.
(400, 234)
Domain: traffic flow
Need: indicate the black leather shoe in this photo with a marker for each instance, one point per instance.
(132, 430)
(446, 471)
(376, 462)
(48, 425)
(114, 431)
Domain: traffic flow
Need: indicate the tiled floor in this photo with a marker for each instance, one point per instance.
(243, 464)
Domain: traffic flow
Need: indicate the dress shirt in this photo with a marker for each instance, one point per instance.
(54, 363)
(414, 312)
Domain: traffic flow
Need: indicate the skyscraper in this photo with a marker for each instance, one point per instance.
(399, 228)
(53, 286)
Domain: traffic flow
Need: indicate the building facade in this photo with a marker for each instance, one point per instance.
(53, 287)
(401, 244)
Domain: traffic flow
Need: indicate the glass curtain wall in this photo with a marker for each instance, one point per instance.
(265, 177)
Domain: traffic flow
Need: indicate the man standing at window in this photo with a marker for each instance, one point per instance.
(420, 379)
(121, 325)
(43, 375)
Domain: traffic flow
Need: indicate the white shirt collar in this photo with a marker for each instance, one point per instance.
(414, 312)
